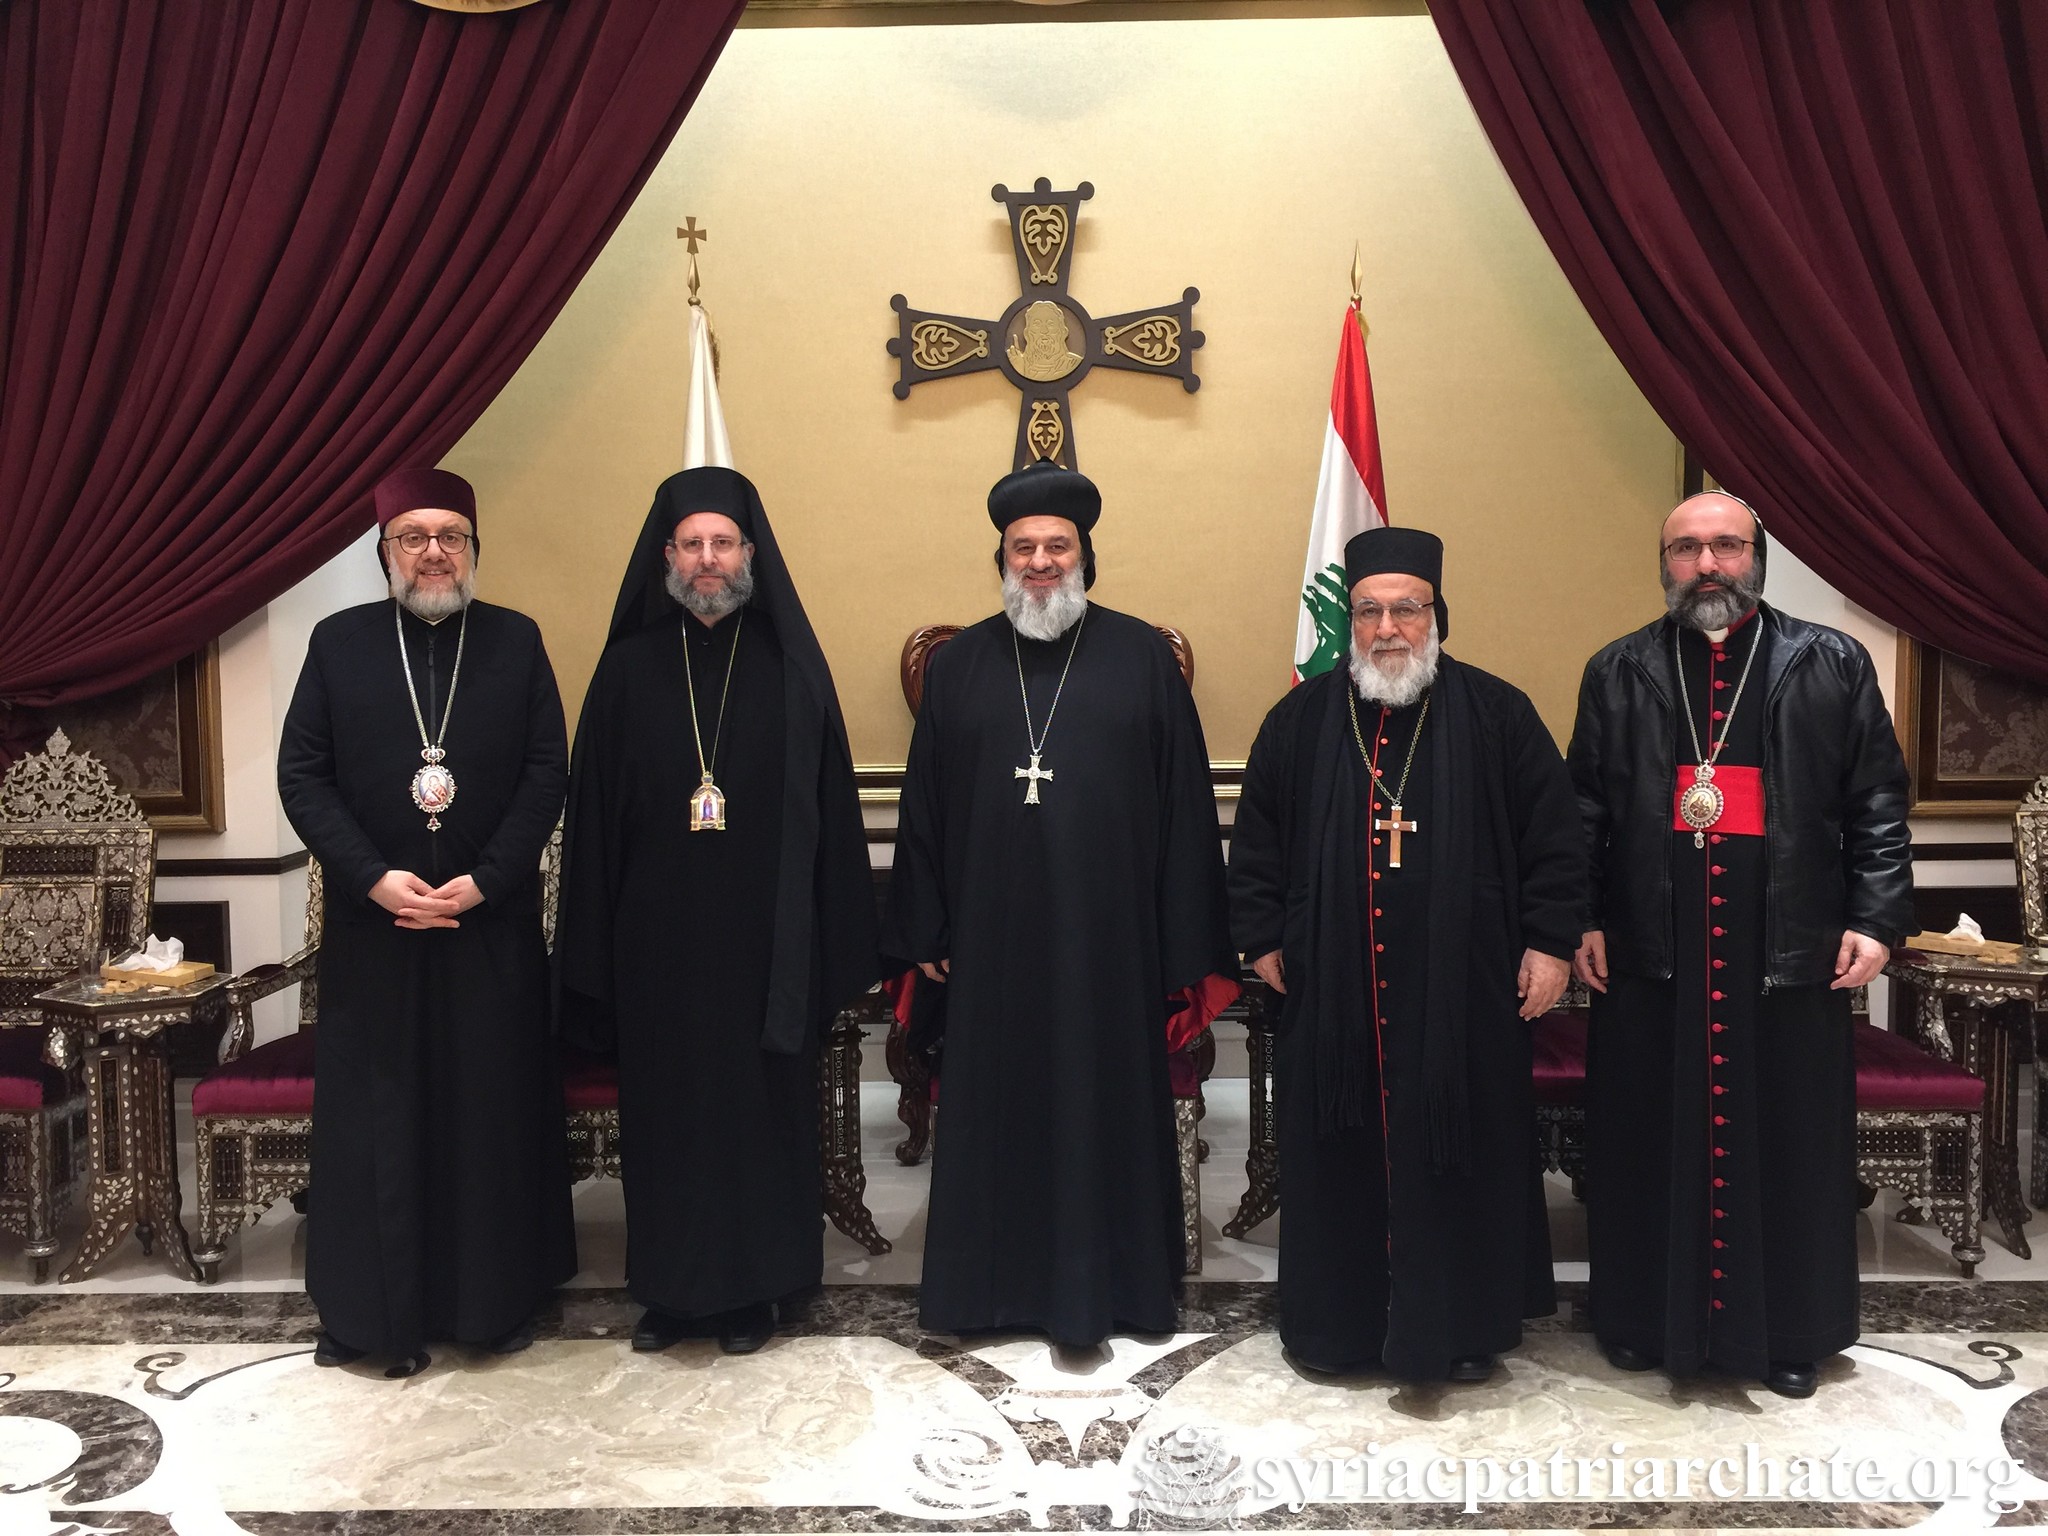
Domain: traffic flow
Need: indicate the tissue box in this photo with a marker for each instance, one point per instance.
(183, 974)
(1994, 950)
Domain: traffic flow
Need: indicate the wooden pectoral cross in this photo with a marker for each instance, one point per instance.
(1395, 827)
(1034, 773)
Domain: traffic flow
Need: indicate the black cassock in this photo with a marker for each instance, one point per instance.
(1055, 1186)
(665, 949)
(440, 1205)
(1414, 1229)
(1721, 1121)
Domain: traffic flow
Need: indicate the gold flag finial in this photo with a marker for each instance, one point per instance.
(688, 232)
(1358, 287)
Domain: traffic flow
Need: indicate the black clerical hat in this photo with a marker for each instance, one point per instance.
(1400, 552)
(1044, 489)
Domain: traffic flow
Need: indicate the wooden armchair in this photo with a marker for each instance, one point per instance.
(2030, 860)
(1919, 1122)
(1187, 1071)
(253, 1117)
(77, 860)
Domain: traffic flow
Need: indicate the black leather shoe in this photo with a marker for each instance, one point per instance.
(513, 1341)
(1622, 1358)
(1322, 1368)
(1470, 1368)
(745, 1329)
(657, 1330)
(411, 1365)
(331, 1351)
(1793, 1378)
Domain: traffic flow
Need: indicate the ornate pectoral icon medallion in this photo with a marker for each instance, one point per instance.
(707, 807)
(1702, 803)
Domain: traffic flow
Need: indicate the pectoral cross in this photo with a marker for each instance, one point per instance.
(1034, 773)
(1395, 827)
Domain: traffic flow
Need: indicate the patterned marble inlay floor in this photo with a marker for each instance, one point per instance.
(205, 1414)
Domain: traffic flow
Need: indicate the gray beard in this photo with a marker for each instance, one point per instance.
(1717, 609)
(737, 591)
(1049, 616)
(443, 603)
(1400, 689)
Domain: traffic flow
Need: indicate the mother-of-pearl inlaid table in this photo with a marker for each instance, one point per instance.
(1991, 1039)
(119, 1037)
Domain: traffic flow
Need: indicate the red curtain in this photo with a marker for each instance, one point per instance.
(1812, 230)
(256, 253)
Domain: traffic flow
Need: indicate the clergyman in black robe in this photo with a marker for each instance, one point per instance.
(717, 908)
(423, 762)
(1407, 870)
(1721, 950)
(1059, 872)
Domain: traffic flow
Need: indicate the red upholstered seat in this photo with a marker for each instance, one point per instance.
(1558, 1043)
(588, 1082)
(1893, 1073)
(276, 1078)
(26, 1082)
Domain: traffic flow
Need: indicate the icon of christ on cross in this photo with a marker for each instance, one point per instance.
(1045, 342)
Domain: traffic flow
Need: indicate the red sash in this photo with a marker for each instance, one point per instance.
(1742, 809)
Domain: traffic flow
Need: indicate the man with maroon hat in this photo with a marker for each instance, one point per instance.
(1406, 871)
(425, 767)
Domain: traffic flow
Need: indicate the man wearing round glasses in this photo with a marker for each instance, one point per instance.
(1406, 871)
(423, 761)
(1745, 801)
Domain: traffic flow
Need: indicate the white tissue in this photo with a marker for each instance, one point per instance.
(1967, 927)
(155, 955)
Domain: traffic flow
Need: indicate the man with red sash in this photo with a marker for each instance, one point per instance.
(1745, 802)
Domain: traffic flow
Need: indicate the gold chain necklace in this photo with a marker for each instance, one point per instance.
(707, 801)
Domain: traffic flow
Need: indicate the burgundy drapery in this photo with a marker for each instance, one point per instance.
(1812, 230)
(256, 253)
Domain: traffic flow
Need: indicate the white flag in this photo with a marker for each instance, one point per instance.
(704, 439)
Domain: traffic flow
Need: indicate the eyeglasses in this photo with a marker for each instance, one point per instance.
(1407, 611)
(416, 543)
(722, 545)
(1725, 547)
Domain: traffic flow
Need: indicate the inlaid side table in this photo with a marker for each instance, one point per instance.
(1958, 1008)
(120, 1039)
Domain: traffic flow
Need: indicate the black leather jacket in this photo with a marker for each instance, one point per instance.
(1837, 852)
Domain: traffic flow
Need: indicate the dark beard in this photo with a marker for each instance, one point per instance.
(1716, 608)
(737, 591)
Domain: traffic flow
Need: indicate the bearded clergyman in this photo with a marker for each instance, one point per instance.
(1059, 878)
(1745, 799)
(1406, 872)
(423, 762)
(717, 907)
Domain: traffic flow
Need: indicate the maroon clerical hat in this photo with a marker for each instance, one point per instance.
(410, 490)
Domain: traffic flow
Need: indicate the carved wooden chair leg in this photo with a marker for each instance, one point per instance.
(1187, 1113)
(1262, 1158)
(913, 1098)
(845, 1176)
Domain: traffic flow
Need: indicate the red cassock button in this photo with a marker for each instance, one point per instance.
(1719, 1027)
(1719, 1276)
(1383, 986)
(1720, 965)
(1718, 870)
(1718, 996)
(1717, 840)
(1718, 1304)
(1720, 901)
(1375, 874)
(1380, 949)
(1720, 1119)
(1719, 716)
(1720, 682)
(1376, 912)
(1720, 1183)
(1719, 1244)
(1719, 1089)
(1720, 1151)
(1383, 741)
(1720, 1061)
(1719, 1214)
(1375, 842)
(1720, 933)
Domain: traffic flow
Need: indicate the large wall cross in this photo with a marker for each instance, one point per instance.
(1045, 342)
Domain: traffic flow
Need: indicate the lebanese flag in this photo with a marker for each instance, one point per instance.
(1351, 496)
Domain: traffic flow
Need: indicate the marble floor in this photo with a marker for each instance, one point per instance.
(137, 1403)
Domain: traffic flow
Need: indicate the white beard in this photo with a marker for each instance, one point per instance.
(441, 603)
(1045, 615)
(1402, 686)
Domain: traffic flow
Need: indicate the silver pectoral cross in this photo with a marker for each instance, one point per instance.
(1034, 773)
(1395, 827)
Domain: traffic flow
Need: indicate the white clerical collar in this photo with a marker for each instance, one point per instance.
(1718, 636)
